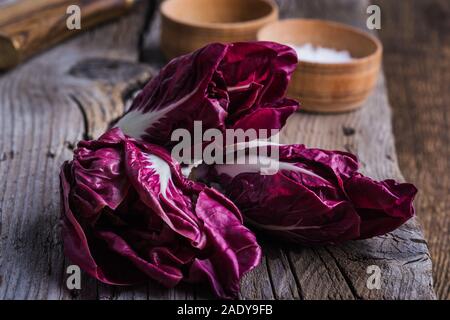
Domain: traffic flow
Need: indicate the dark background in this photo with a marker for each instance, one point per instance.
(416, 39)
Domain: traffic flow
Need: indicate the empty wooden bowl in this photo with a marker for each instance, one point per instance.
(187, 25)
(329, 87)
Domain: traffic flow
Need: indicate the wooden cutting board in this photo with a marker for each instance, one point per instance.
(78, 87)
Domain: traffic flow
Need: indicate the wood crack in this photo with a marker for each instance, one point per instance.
(344, 275)
(150, 13)
(294, 274)
(79, 105)
(272, 285)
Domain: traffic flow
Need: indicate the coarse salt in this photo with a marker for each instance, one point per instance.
(309, 53)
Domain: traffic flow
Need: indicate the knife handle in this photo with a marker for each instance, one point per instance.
(30, 26)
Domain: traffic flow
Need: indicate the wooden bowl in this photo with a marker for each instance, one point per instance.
(329, 87)
(187, 25)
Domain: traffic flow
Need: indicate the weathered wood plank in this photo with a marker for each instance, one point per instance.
(256, 285)
(282, 278)
(417, 66)
(401, 255)
(46, 106)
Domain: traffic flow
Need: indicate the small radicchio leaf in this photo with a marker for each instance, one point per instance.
(234, 246)
(151, 177)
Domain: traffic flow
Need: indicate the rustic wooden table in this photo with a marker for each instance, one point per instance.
(417, 66)
(74, 90)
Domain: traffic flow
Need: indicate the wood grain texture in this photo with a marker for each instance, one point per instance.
(46, 106)
(417, 66)
(76, 89)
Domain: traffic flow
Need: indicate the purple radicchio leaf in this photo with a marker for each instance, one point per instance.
(316, 197)
(237, 85)
(128, 215)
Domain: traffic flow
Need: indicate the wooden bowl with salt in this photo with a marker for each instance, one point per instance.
(187, 25)
(325, 80)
